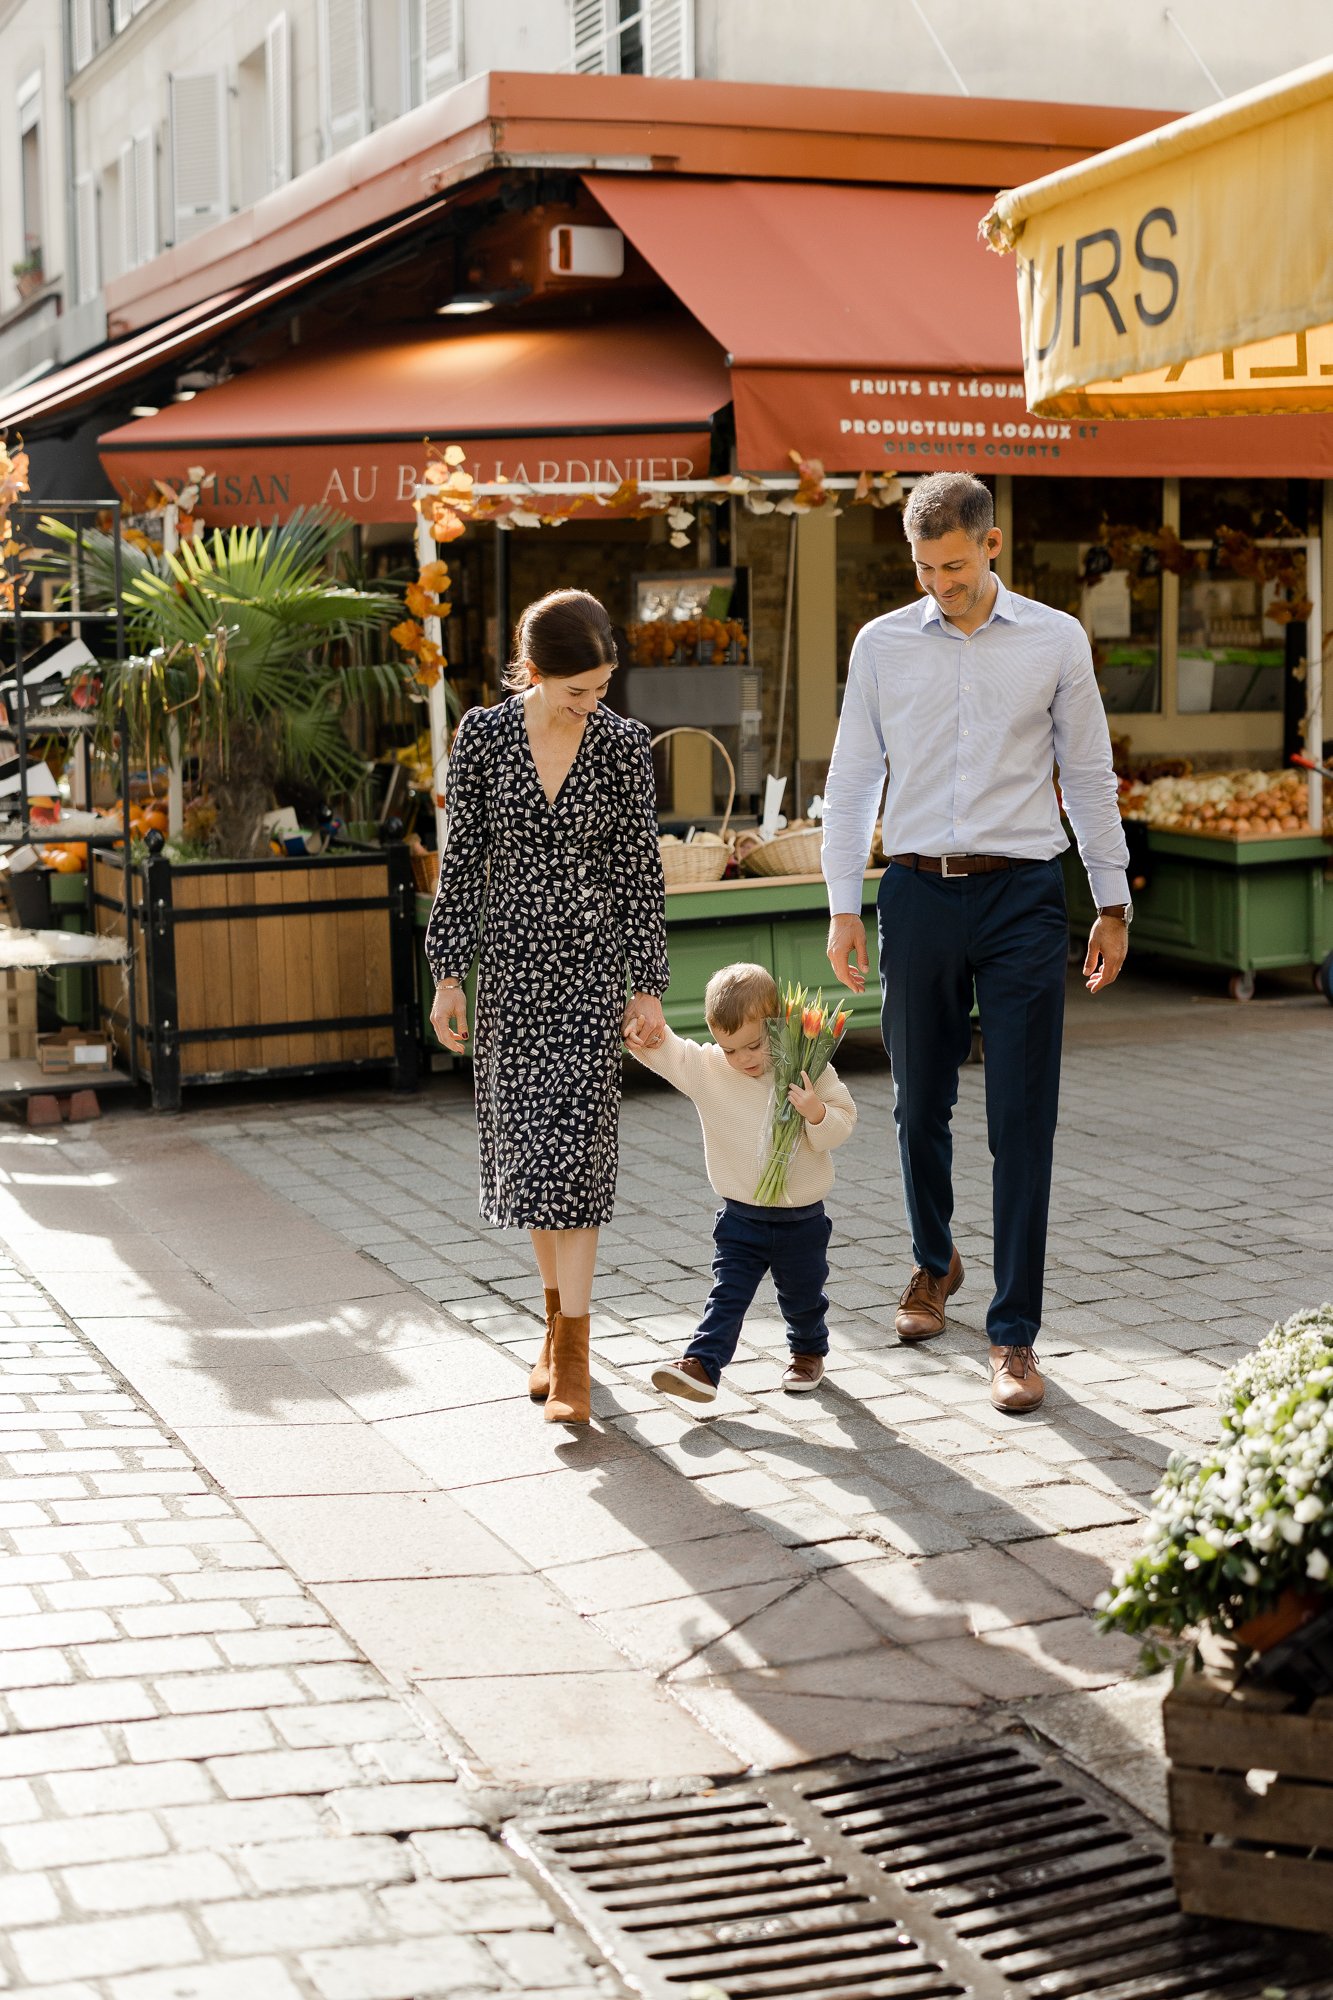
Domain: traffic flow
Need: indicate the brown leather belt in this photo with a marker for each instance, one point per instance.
(957, 864)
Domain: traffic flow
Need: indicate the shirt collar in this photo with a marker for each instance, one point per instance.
(1005, 607)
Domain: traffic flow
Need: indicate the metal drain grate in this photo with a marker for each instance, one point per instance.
(977, 1871)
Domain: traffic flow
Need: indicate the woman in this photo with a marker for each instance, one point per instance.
(552, 862)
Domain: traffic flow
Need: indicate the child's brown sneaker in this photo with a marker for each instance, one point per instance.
(688, 1378)
(803, 1373)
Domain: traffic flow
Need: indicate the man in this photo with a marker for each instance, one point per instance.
(973, 696)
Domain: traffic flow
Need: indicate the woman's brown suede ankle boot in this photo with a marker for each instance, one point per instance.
(569, 1399)
(539, 1382)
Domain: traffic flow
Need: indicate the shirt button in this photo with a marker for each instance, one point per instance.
(965, 732)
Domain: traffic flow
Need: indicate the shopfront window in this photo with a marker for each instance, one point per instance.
(1232, 653)
(1056, 521)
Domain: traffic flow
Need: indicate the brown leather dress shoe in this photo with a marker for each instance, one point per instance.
(1015, 1380)
(920, 1314)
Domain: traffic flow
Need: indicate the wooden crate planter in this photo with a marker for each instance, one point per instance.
(1260, 1852)
(18, 1014)
(262, 968)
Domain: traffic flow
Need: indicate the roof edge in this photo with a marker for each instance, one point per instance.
(511, 118)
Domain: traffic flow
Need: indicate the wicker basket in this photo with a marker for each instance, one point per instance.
(426, 872)
(787, 854)
(699, 861)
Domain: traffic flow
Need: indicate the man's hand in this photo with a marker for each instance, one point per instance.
(847, 939)
(1108, 946)
(448, 1017)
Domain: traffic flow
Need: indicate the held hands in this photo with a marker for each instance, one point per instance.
(644, 1026)
(1108, 947)
(804, 1098)
(448, 1017)
(847, 938)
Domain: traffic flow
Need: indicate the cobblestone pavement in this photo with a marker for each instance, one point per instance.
(302, 1595)
(205, 1789)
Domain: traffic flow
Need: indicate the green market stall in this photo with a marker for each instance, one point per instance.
(780, 921)
(1239, 906)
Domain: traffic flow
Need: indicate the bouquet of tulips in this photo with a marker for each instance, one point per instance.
(801, 1037)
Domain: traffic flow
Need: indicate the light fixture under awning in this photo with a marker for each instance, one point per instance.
(346, 424)
(1189, 272)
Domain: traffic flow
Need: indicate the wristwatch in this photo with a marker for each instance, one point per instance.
(1123, 911)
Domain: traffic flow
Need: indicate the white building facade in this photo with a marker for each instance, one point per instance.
(127, 126)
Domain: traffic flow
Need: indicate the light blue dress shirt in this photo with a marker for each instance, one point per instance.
(972, 727)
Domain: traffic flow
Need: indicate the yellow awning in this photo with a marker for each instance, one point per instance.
(1188, 273)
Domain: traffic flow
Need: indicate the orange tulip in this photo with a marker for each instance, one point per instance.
(812, 1020)
(839, 1022)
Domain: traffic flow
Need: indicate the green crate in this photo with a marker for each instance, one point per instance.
(1239, 906)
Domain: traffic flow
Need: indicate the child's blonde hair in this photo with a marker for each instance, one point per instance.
(739, 993)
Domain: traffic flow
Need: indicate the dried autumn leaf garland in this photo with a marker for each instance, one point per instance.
(449, 501)
(428, 597)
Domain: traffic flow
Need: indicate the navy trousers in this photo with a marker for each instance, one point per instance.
(749, 1241)
(1007, 934)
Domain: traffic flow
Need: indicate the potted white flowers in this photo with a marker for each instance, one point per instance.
(1241, 1542)
(1240, 1547)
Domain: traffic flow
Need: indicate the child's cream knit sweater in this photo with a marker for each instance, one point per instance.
(736, 1113)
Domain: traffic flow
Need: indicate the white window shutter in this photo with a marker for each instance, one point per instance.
(440, 37)
(669, 47)
(590, 37)
(129, 208)
(82, 48)
(139, 6)
(145, 195)
(343, 62)
(85, 236)
(120, 15)
(278, 100)
(198, 152)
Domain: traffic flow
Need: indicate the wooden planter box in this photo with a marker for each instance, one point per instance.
(1260, 1852)
(261, 968)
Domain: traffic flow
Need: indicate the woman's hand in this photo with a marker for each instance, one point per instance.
(804, 1098)
(644, 1025)
(448, 1017)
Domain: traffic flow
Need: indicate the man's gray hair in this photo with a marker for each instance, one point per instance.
(944, 501)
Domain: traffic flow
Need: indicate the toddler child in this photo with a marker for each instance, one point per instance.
(730, 1084)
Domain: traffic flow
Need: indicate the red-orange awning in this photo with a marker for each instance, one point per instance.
(125, 361)
(346, 424)
(868, 327)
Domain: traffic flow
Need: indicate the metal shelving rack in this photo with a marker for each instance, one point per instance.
(20, 1079)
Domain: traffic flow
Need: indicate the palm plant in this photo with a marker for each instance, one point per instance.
(245, 656)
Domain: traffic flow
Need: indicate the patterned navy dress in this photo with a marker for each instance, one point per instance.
(560, 904)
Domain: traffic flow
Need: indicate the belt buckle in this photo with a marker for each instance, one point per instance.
(952, 874)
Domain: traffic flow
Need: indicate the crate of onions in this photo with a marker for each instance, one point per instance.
(1230, 805)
